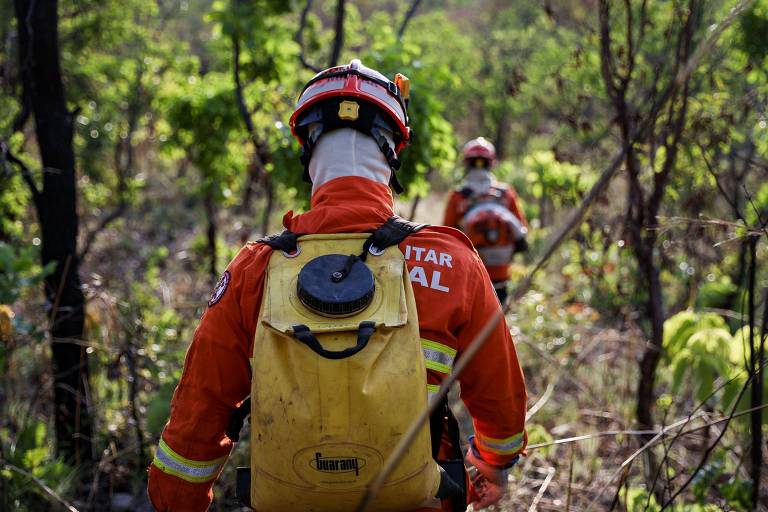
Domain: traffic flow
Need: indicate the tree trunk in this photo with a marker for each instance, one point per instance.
(652, 353)
(250, 183)
(56, 208)
(269, 205)
(257, 172)
(417, 199)
(502, 128)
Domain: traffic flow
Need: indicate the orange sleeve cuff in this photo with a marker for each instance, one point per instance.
(499, 452)
(172, 494)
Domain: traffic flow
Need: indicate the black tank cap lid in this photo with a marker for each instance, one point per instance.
(321, 294)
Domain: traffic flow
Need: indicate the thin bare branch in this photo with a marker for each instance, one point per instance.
(245, 114)
(407, 18)
(123, 161)
(50, 492)
(7, 156)
(570, 480)
(23, 115)
(758, 212)
(104, 223)
(711, 447)
(720, 187)
(260, 152)
(693, 414)
(299, 38)
(338, 38)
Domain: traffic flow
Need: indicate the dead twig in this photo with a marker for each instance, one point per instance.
(260, 154)
(402, 446)
(103, 224)
(407, 18)
(563, 370)
(50, 492)
(657, 439)
(542, 490)
(712, 446)
(7, 156)
(570, 480)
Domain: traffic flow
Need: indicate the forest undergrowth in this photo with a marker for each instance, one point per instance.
(580, 365)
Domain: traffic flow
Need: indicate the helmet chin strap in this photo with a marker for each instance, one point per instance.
(390, 156)
(348, 152)
(315, 130)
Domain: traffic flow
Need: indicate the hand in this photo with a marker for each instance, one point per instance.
(488, 485)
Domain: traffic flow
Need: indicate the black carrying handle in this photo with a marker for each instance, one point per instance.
(364, 333)
(304, 335)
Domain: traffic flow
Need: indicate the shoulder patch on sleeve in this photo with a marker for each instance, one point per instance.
(220, 288)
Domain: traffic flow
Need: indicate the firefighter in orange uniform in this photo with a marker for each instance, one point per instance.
(489, 213)
(350, 160)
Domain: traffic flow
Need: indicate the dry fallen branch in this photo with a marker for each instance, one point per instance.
(668, 223)
(659, 434)
(712, 446)
(563, 370)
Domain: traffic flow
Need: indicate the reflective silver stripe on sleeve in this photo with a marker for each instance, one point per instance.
(432, 390)
(438, 357)
(170, 462)
(506, 446)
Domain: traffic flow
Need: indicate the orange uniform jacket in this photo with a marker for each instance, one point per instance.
(454, 299)
(457, 207)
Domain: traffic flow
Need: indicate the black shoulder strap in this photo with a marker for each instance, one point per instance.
(497, 192)
(466, 192)
(285, 241)
(392, 232)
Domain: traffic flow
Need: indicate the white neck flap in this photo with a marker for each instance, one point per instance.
(347, 152)
(479, 181)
